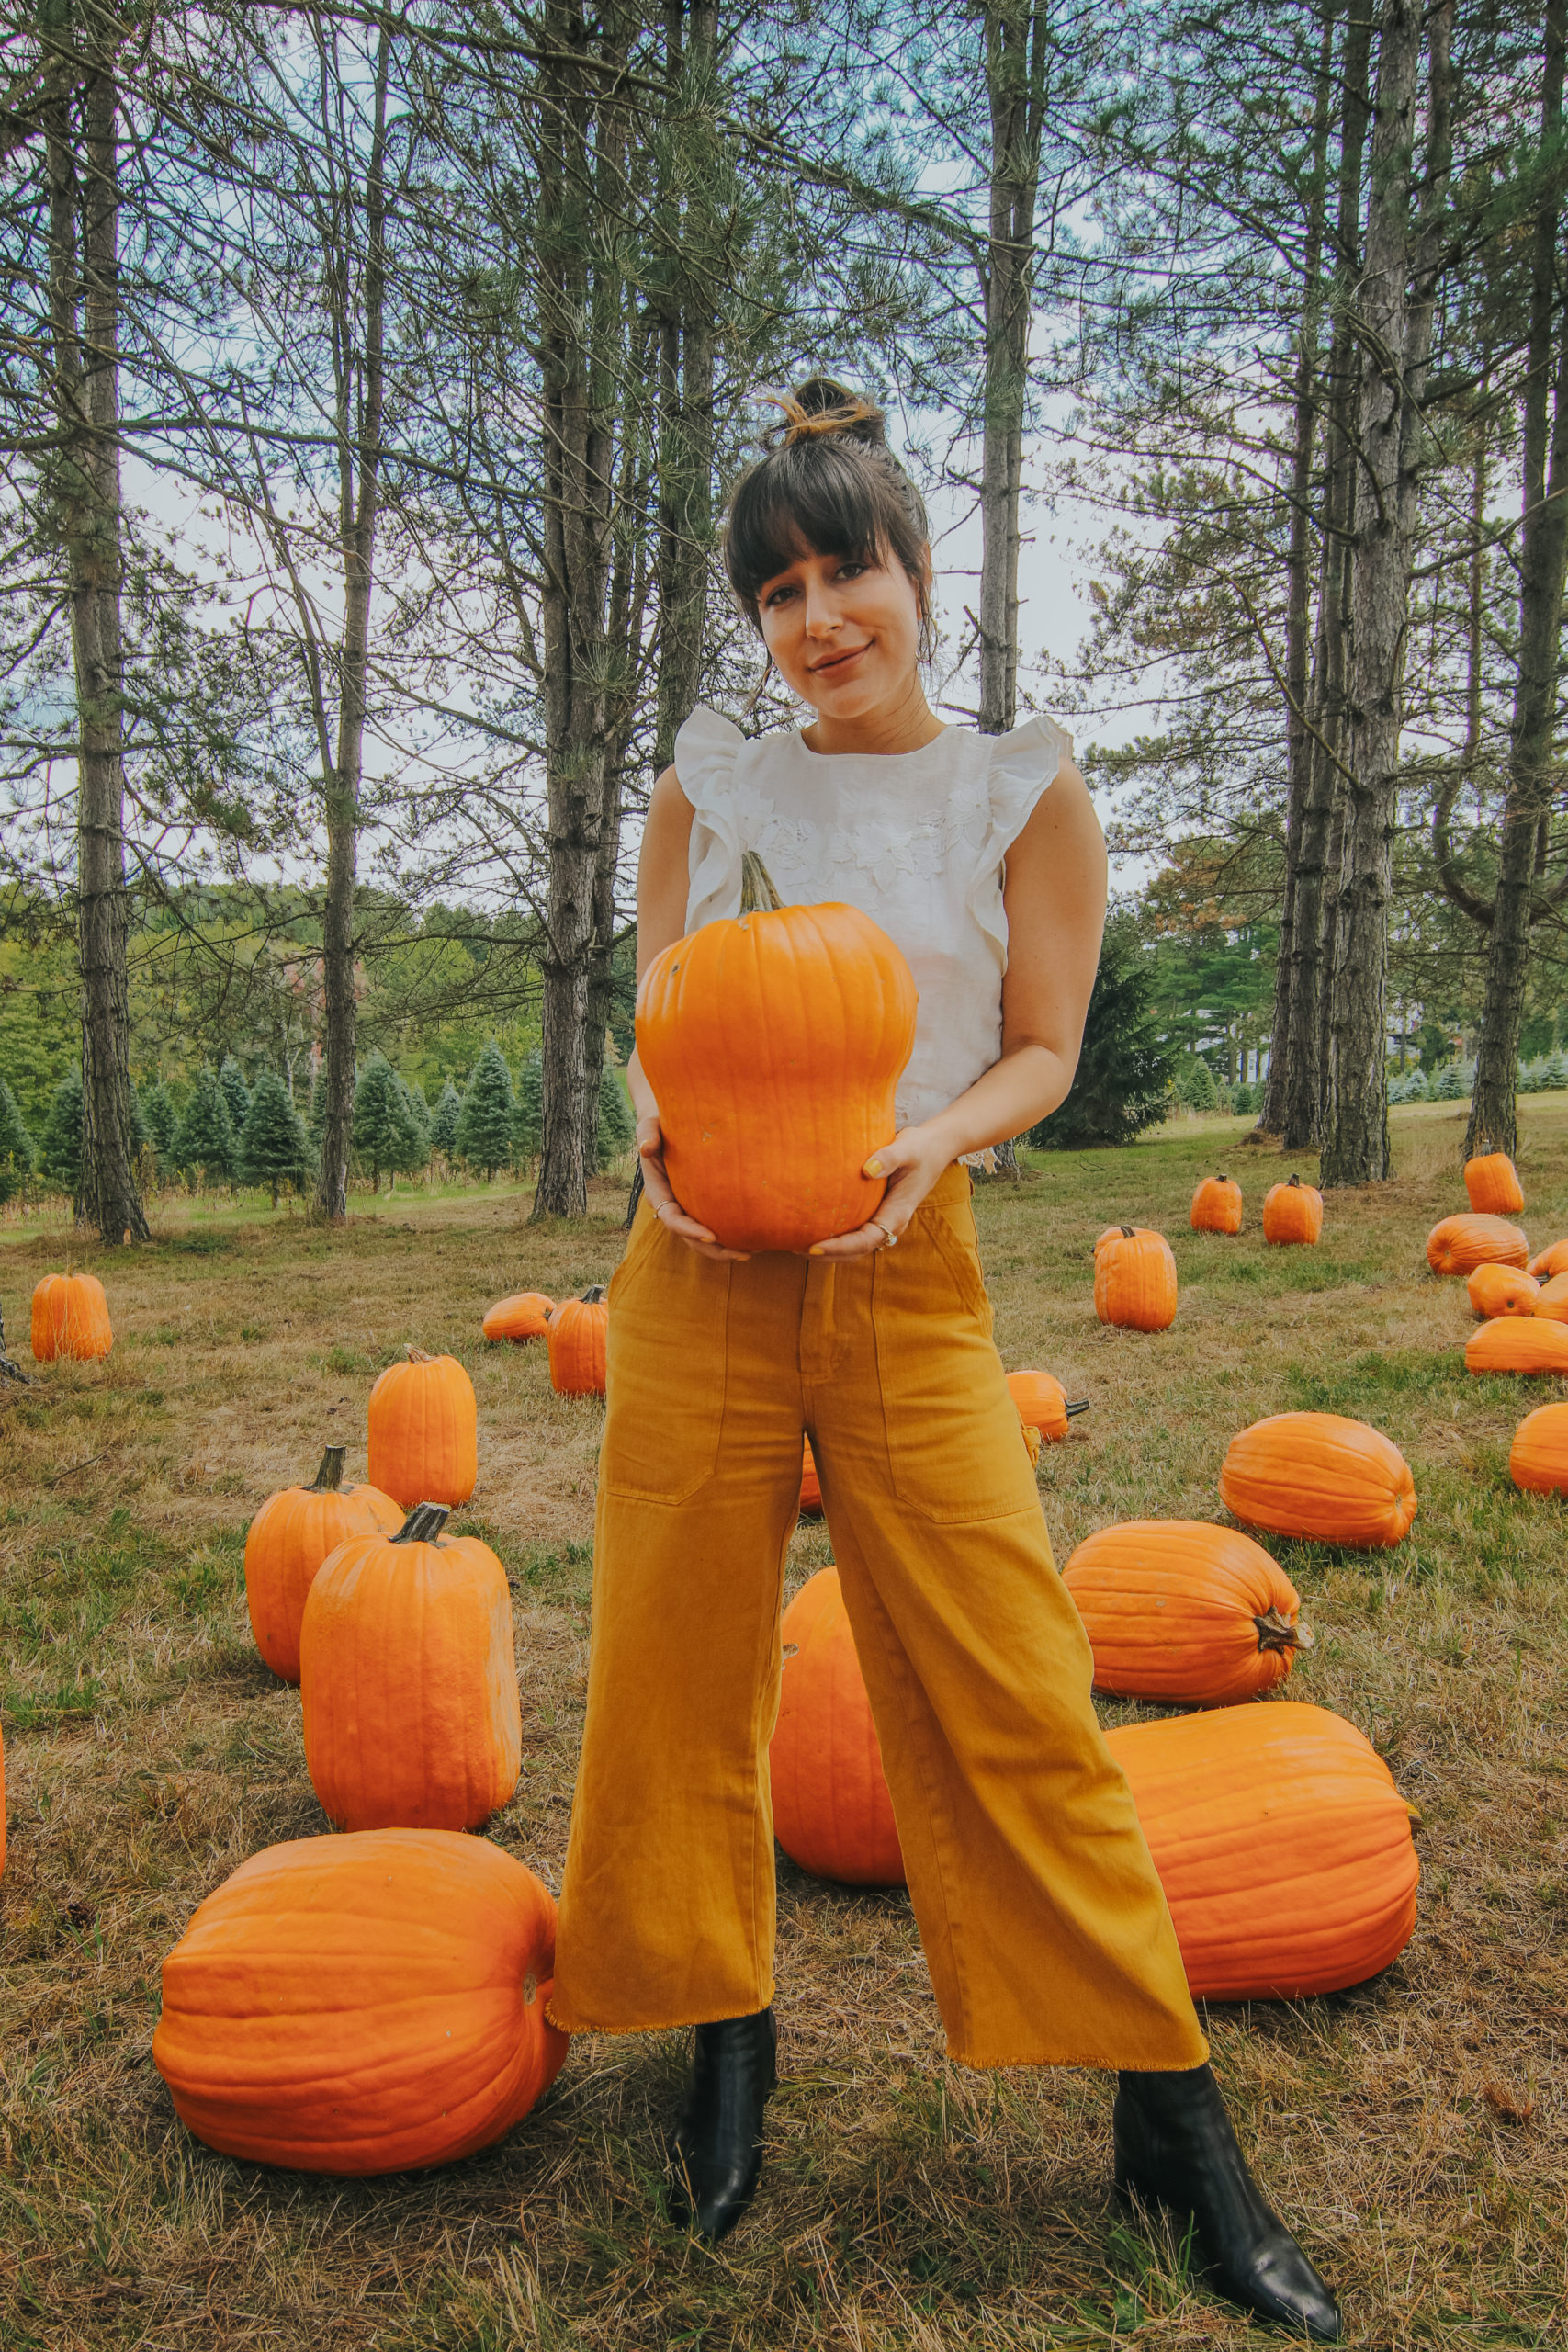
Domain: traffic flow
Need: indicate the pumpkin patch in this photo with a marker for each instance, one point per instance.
(288, 1539)
(1530, 1344)
(1216, 1206)
(1493, 1182)
(525, 1316)
(1179, 1610)
(1135, 1279)
(1293, 1213)
(1042, 1405)
(425, 1431)
(1323, 1474)
(1502, 1290)
(1458, 1244)
(579, 1337)
(70, 1319)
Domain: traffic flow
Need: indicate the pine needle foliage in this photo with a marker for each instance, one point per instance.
(275, 1149)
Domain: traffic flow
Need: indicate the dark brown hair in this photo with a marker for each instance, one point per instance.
(828, 485)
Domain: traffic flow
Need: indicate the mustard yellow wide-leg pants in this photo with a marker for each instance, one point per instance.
(1043, 1920)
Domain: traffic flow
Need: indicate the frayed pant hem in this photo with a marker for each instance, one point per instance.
(654, 2024)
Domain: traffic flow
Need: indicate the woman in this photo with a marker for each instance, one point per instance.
(1043, 1920)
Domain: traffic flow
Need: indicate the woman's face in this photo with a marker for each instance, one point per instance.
(845, 636)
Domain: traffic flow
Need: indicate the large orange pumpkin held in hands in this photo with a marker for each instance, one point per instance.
(1456, 1245)
(1135, 1279)
(1493, 1182)
(1502, 1290)
(288, 1539)
(773, 1043)
(1216, 1206)
(1292, 1212)
(1178, 1610)
(70, 1317)
(409, 1680)
(832, 1811)
(425, 1431)
(578, 1337)
(1529, 1344)
(525, 1316)
(1320, 1475)
(363, 2004)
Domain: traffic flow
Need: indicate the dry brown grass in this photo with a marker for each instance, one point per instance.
(1413, 2129)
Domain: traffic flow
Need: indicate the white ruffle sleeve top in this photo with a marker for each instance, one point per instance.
(916, 840)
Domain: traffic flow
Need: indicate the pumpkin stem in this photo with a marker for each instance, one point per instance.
(594, 1295)
(329, 1477)
(1127, 1234)
(1277, 1632)
(1080, 1405)
(758, 892)
(426, 1521)
(1295, 1183)
(420, 1355)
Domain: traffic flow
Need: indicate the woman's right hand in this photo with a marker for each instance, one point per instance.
(667, 1208)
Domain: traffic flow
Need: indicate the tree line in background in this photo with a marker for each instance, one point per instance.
(371, 378)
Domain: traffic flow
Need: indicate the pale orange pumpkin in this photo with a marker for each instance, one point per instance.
(1456, 1245)
(1292, 1212)
(409, 1680)
(525, 1316)
(288, 1539)
(1216, 1206)
(1552, 1298)
(1493, 1182)
(1321, 1474)
(1538, 1459)
(1502, 1290)
(579, 1337)
(70, 1317)
(773, 1044)
(1178, 1610)
(363, 2004)
(1530, 1344)
(832, 1813)
(1042, 1404)
(1135, 1279)
(425, 1431)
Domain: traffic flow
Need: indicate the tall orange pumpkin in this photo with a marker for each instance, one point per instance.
(1323, 1475)
(70, 1317)
(363, 2004)
(1531, 1344)
(1292, 1212)
(773, 1044)
(1551, 1301)
(1283, 1847)
(1538, 1459)
(288, 1539)
(425, 1431)
(1042, 1404)
(1493, 1182)
(525, 1316)
(579, 1337)
(1216, 1206)
(1135, 1279)
(409, 1680)
(1502, 1290)
(832, 1811)
(810, 1485)
(1459, 1244)
(1178, 1610)
(1551, 1260)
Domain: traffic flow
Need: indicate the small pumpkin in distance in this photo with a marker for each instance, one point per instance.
(1538, 1459)
(363, 2004)
(1216, 1206)
(1532, 1345)
(290, 1537)
(1552, 1299)
(1181, 1611)
(1321, 1475)
(1042, 1404)
(1292, 1212)
(832, 1813)
(425, 1431)
(1502, 1290)
(1135, 1279)
(70, 1319)
(1553, 1260)
(1493, 1183)
(1456, 1245)
(578, 1335)
(525, 1316)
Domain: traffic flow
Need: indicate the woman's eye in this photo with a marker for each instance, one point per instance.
(851, 570)
(778, 595)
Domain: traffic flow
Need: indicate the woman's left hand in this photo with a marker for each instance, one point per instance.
(911, 1164)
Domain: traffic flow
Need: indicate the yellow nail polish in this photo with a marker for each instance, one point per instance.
(874, 1167)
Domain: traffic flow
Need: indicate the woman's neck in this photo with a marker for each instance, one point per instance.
(907, 725)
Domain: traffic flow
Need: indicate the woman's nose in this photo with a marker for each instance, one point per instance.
(821, 616)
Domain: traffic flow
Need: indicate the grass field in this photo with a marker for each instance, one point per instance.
(1413, 2130)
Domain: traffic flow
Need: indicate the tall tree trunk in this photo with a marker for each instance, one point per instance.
(1543, 562)
(1397, 330)
(1015, 82)
(84, 261)
(687, 344)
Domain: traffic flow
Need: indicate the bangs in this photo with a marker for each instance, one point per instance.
(819, 497)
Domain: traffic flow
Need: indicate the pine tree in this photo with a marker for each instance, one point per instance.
(528, 1119)
(275, 1150)
(1123, 1071)
(617, 1125)
(485, 1129)
(444, 1122)
(18, 1151)
(386, 1132)
(205, 1136)
(236, 1093)
(161, 1122)
(63, 1133)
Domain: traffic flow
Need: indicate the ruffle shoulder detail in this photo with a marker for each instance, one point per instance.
(1025, 766)
(706, 751)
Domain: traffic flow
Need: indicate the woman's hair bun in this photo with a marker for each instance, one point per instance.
(821, 407)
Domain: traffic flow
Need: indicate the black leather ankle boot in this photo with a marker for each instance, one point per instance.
(715, 2157)
(1175, 2147)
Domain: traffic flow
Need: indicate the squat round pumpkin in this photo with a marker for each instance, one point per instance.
(1531, 1344)
(1459, 1244)
(1178, 1610)
(1551, 1260)
(1502, 1290)
(1493, 1182)
(578, 1334)
(409, 1680)
(1216, 1206)
(363, 2004)
(525, 1316)
(1538, 1459)
(773, 1043)
(425, 1431)
(288, 1539)
(1042, 1404)
(1323, 1475)
(1292, 1212)
(70, 1317)
(832, 1813)
(1135, 1279)
(1283, 1847)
